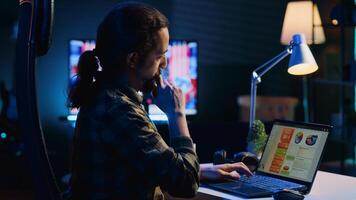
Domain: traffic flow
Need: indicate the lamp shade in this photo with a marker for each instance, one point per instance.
(299, 18)
(301, 61)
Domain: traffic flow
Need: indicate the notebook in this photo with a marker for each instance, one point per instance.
(290, 160)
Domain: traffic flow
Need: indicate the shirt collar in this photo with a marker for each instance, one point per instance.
(131, 93)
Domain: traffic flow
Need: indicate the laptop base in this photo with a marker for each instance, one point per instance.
(241, 189)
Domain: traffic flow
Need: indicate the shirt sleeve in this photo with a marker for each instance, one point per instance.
(175, 169)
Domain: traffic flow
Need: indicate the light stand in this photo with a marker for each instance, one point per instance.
(302, 62)
(256, 79)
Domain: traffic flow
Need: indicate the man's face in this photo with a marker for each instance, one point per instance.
(155, 60)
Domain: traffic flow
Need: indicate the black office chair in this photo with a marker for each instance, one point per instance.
(34, 36)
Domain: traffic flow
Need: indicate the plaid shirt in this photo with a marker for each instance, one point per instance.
(118, 153)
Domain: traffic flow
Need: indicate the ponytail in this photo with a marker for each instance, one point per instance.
(82, 91)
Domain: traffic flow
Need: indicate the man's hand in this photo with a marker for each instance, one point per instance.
(210, 172)
(169, 98)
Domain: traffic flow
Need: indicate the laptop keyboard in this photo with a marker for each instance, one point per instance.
(270, 183)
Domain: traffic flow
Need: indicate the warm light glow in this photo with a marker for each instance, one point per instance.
(298, 19)
(334, 22)
(302, 69)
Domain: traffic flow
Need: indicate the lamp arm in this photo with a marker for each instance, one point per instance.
(271, 63)
(256, 79)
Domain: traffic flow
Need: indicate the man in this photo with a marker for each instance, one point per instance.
(118, 152)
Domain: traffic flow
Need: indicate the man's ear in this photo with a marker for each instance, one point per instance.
(132, 59)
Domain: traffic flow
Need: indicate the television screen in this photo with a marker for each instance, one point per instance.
(182, 70)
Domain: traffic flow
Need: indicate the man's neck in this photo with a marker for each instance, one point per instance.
(134, 82)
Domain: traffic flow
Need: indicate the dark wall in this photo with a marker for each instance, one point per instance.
(243, 32)
(234, 38)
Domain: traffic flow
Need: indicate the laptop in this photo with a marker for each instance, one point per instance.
(290, 160)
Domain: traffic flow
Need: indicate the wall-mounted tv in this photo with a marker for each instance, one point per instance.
(182, 70)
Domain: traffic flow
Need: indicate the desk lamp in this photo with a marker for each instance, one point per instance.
(301, 62)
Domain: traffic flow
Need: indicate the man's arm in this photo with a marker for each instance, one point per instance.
(175, 169)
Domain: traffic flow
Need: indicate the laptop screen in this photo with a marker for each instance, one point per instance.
(293, 151)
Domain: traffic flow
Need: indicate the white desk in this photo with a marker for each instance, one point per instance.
(327, 186)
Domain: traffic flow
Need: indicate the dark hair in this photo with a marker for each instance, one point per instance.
(129, 27)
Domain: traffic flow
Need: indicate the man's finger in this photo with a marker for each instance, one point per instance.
(230, 175)
(240, 166)
(168, 84)
(243, 168)
(159, 81)
(234, 175)
(171, 83)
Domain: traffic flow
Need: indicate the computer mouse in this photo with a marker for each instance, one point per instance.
(287, 195)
